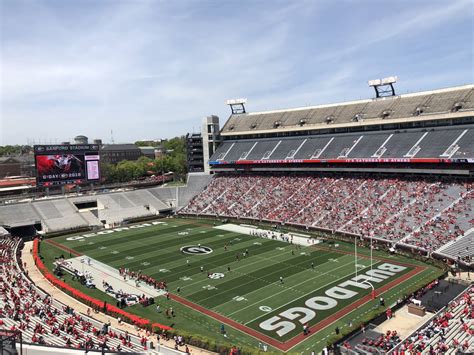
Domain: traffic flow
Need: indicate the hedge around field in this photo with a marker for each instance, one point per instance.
(190, 339)
(91, 301)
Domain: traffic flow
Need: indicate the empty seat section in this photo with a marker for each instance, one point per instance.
(375, 108)
(339, 146)
(21, 214)
(164, 193)
(287, 147)
(400, 144)
(312, 147)
(444, 102)
(240, 149)
(436, 143)
(221, 151)
(368, 145)
(262, 149)
(466, 146)
(121, 200)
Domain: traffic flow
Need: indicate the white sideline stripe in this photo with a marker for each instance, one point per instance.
(297, 149)
(286, 289)
(322, 150)
(415, 145)
(228, 150)
(271, 153)
(237, 268)
(308, 292)
(375, 155)
(268, 283)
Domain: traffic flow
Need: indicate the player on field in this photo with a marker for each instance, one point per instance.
(281, 279)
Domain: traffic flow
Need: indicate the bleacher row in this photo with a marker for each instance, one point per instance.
(450, 331)
(436, 143)
(418, 105)
(61, 214)
(422, 212)
(45, 321)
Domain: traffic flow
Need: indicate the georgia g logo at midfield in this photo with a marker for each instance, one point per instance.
(196, 250)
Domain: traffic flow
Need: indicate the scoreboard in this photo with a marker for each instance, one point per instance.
(66, 164)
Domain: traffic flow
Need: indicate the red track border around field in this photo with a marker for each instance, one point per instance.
(63, 247)
(285, 346)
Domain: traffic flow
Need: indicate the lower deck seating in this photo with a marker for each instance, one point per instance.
(449, 332)
(44, 321)
(424, 212)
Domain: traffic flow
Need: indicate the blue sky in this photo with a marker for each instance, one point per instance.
(152, 69)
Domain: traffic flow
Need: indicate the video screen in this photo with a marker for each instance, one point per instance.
(66, 164)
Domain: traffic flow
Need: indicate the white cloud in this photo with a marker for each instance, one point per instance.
(155, 68)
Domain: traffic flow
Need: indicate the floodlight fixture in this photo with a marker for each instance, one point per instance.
(383, 87)
(237, 106)
(389, 80)
(374, 82)
(236, 101)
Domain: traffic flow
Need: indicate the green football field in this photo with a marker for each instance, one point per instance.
(267, 295)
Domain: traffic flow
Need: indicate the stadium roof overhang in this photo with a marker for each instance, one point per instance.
(365, 123)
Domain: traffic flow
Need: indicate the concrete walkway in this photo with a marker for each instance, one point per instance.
(39, 280)
(403, 322)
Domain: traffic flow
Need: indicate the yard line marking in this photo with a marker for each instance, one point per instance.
(233, 263)
(287, 288)
(291, 343)
(254, 278)
(306, 294)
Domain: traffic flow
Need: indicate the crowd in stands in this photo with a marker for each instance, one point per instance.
(424, 212)
(383, 342)
(45, 321)
(446, 227)
(450, 330)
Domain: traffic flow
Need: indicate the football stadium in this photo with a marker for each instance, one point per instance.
(343, 227)
(261, 177)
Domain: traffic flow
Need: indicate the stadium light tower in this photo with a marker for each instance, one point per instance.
(384, 87)
(237, 106)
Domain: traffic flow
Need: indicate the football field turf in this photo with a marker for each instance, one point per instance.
(267, 295)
